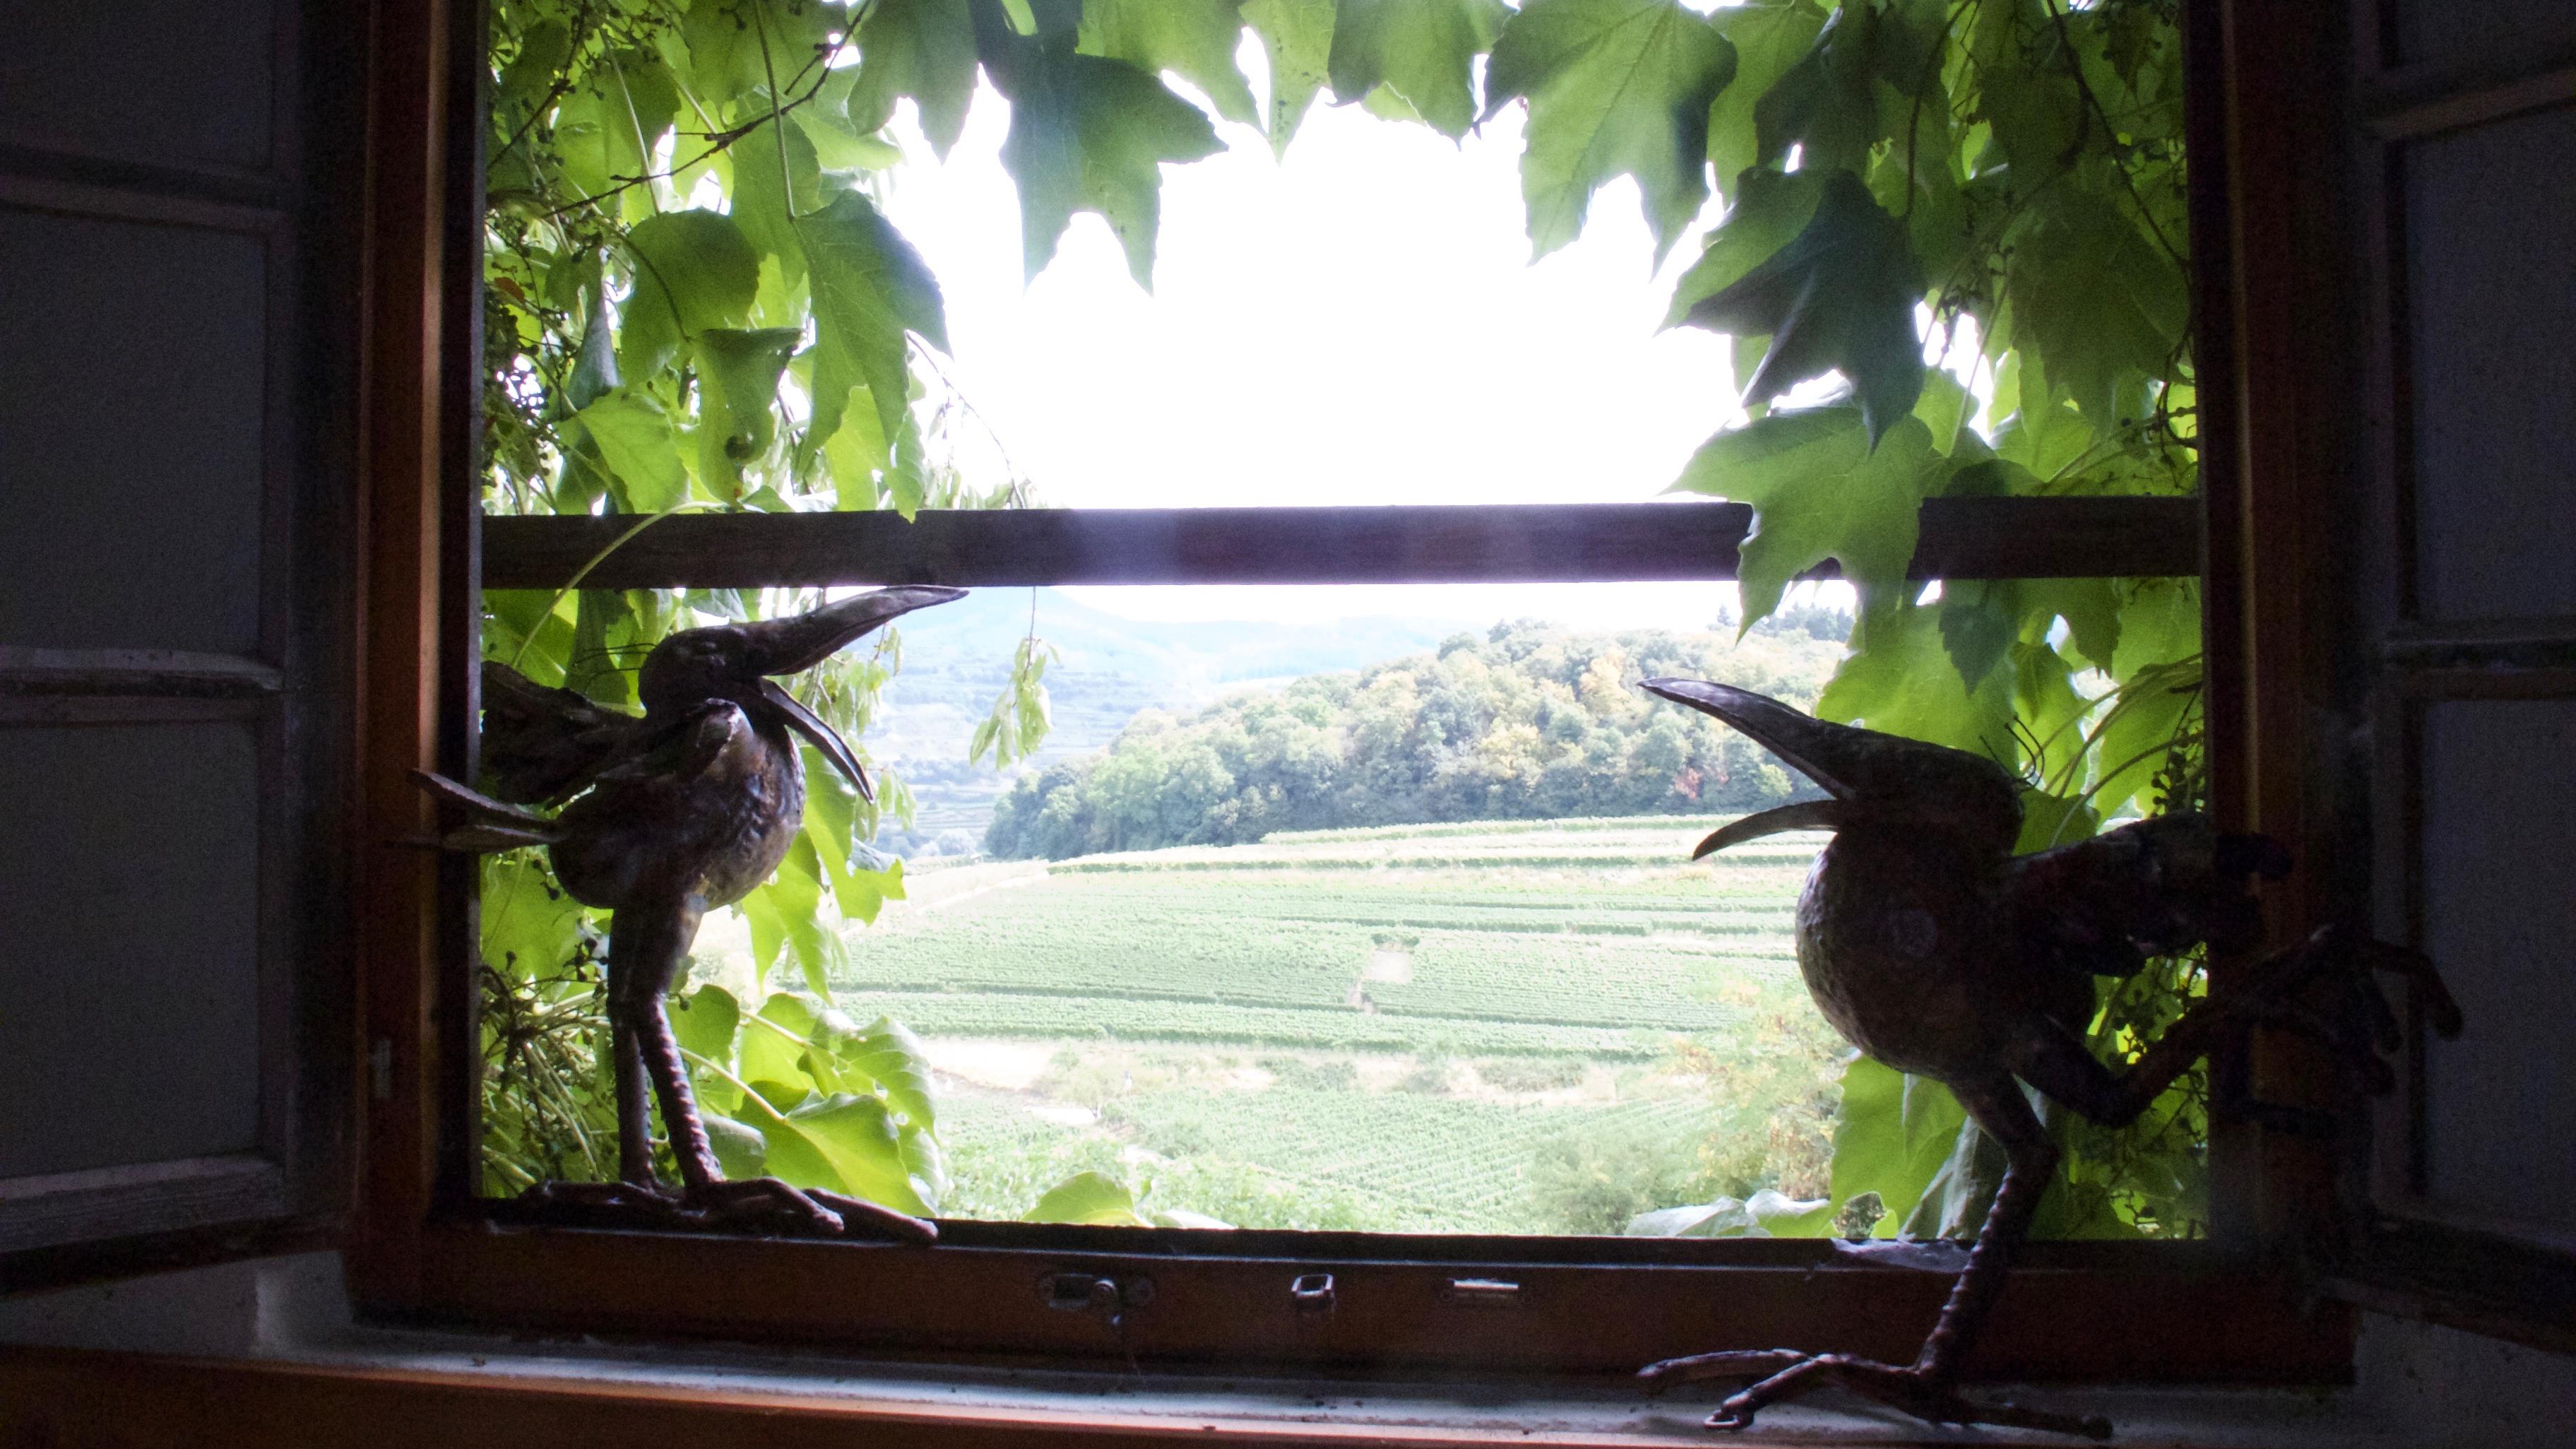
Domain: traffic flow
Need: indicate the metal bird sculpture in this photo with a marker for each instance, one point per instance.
(1933, 948)
(665, 818)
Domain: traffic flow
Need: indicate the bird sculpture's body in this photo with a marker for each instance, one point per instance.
(667, 817)
(1934, 949)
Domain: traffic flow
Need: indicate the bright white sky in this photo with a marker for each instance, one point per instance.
(1357, 324)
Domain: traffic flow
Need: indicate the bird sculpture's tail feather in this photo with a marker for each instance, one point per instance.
(491, 825)
(542, 744)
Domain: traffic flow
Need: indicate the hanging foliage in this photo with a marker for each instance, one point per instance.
(695, 301)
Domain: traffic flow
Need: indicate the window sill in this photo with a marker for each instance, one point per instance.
(291, 1368)
(262, 1352)
(434, 1390)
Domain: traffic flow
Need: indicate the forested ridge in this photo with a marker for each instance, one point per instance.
(1529, 722)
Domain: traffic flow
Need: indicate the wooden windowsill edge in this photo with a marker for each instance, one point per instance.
(390, 1395)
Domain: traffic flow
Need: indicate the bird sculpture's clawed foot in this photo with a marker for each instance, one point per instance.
(1787, 1374)
(758, 1205)
(2325, 990)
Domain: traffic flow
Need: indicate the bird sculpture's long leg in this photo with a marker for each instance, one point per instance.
(645, 950)
(634, 1103)
(1926, 1388)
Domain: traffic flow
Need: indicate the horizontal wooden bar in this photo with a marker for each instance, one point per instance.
(155, 1197)
(2518, 1283)
(171, 672)
(1962, 538)
(2413, 103)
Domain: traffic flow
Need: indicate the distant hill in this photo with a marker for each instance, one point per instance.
(1522, 722)
(957, 658)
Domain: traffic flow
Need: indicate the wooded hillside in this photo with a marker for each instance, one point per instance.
(1525, 723)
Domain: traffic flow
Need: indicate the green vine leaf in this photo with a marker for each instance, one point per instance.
(1840, 296)
(1819, 491)
(1828, 103)
(1422, 50)
(922, 49)
(735, 46)
(870, 289)
(1089, 134)
(693, 270)
(1766, 212)
(594, 366)
(1089, 1197)
(1768, 40)
(522, 84)
(1298, 35)
(1892, 1135)
(786, 915)
(1615, 87)
(2105, 305)
(767, 200)
(605, 132)
(2030, 106)
(858, 1137)
(891, 1058)
(706, 1022)
(1980, 619)
(1196, 39)
(641, 447)
(1899, 678)
(738, 376)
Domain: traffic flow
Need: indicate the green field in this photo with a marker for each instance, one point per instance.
(1392, 1029)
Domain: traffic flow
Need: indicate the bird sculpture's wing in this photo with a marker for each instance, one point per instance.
(680, 754)
(2102, 906)
(664, 814)
(542, 745)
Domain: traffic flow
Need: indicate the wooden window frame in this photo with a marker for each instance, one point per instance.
(424, 1250)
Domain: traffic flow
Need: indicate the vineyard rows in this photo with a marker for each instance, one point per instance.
(1196, 949)
(1097, 1017)
(1434, 1164)
(1583, 949)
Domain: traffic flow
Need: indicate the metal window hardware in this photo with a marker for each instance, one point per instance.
(1484, 1292)
(1312, 1292)
(1091, 1292)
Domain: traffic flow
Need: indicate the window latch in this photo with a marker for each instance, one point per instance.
(1094, 1293)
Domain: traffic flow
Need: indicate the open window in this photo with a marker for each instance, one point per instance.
(425, 1245)
(1574, 1304)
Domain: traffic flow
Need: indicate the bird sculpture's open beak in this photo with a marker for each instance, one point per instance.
(1867, 772)
(790, 646)
(1804, 743)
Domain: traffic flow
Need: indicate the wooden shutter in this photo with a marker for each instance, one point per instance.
(173, 612)
(2456, 662)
